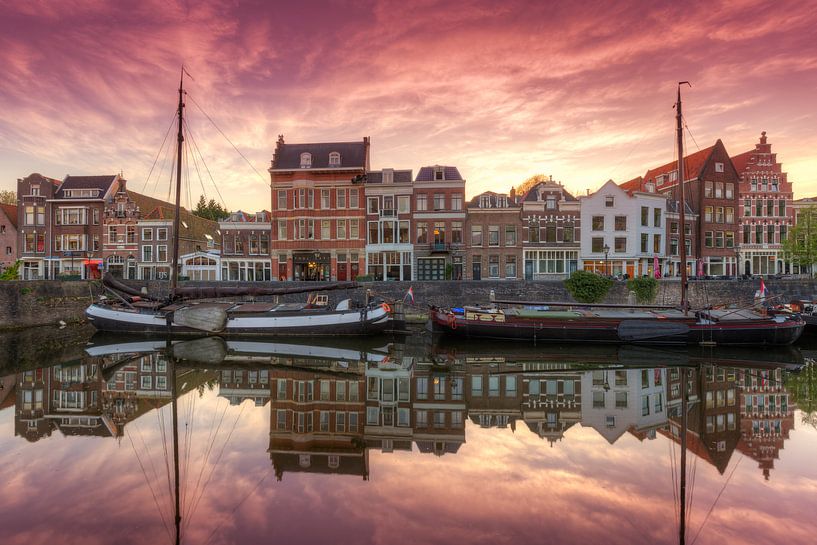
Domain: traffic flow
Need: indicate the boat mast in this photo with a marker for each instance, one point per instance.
(175, 410)
(684, 426)
(174, 264)
(682, 203)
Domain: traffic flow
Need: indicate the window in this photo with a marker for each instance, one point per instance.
(353, 199)
(326, 228)
(493, 386)
(147, 234)
(730, 190)
(718, 167)
(41, 215)
(656, 243)
(161, 233)
(341, 229)
(758, 234)
(621, 244)
(708, 239)
(770, 234)
(621, 400)
(403, 204)
(645, 215)
(493, 266)
(282, 229)
(334, 159)
(439, 201)
(456, 232)
(718, 190)
(476, 235)
(476, 385)
(656, 217)
(30, 215)
(439, 387)
(708, 190)
(730, 239)
(373, 205)
(621, 223)
(597, 244)
(783, 233)
(493, 235)
(510, 266)
(781, 207)
(325, 202)
(609, 201)
(598, 223)
(456, 201)
(147, 253)
(354, 231)
(306, 160)
(673, 227)
(422, 232)
(510, 235)
(567, 233)
(730, 215)
(644, 242)
(161, 253)
(422, 387)
(747, 207)
(645, 405)
(510, 386)
(708, 214)
(422, 202)
(598, 399)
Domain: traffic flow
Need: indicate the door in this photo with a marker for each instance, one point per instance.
(528, 269)
(477, 271)
(355, 269)
(342, 272)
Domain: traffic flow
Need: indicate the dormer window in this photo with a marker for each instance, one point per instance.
(660, 179)
(673, 176)
(334, 159)
(35, 190)
(551, 203)
(306, 160)
(260, 216)
(501, 202)
(438, 173)
(650, 187)
(485, 201)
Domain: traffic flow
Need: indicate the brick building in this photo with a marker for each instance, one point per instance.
(550, 231)
(318, 205)
(439, 219)
(34, 218)
(8, 235)
(766, 213)
(493, 226)
(389, 249)
(711, 191)
(245, 246)
(439, 405)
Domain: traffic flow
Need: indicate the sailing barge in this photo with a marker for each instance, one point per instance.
(577, 323)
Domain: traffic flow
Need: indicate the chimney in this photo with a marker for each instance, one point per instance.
(763, 137)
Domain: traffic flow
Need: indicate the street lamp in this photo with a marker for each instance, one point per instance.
(606, 251)
(737, 262)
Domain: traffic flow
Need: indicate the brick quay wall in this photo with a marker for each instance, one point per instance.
(46, 302)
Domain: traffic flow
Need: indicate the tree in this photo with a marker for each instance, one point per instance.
(587, 287)
(801, 244)
(210, 210)
(8, 196)
(525, 186)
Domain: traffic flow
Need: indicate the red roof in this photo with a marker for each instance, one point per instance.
(693, 164)
(740, 161)
(636, 184)
(11, 212)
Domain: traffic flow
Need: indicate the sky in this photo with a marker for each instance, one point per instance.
(582, 91)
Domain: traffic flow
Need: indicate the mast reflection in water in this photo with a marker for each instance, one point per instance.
(377, 441)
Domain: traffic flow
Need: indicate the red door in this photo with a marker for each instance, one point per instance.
(342, 268)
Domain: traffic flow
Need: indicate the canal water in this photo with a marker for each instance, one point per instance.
(131, 440)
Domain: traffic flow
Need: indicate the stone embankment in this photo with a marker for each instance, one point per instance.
(35, 303)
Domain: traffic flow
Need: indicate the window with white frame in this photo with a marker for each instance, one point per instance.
(306, 160)
(147, 234)
(147, 253)
(334, 159)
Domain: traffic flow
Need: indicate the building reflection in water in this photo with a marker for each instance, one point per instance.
(330, 406)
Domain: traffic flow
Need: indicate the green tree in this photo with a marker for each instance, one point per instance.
(801, 244)
(210, 210)
(644, 287)
(12, 272)
(7, 196)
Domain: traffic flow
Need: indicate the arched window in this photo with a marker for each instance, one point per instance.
(306, 160)
(334, 159)
(115, 260)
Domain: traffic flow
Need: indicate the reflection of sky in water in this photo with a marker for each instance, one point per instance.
(500, 487)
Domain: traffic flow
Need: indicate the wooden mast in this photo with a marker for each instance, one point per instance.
(682, 203)
(174, 264)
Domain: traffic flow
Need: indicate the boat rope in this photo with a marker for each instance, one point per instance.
(210, 119)
(196, 149)
(158, 153)
(717, 498)
(674, 476)
(240, 503)
(189, 136)
(210, 442)
(150, 486)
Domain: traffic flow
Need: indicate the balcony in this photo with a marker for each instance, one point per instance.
(439, 247)
(388, 213)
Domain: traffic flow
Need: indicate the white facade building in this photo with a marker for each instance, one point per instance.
(622, 232)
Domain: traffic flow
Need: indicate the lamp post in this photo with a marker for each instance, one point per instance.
(737, 262)
(606, 251)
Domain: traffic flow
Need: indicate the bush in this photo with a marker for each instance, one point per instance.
(587, 287)
(645, 288)
(12, 272)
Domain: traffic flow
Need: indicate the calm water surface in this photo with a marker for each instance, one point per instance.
(382, 442)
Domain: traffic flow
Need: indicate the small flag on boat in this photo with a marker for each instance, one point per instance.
(655, 266)
(409, 295)
(762, 292)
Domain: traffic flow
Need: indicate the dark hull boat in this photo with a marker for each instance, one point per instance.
(718, 328)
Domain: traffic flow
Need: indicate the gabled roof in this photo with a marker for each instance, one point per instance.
(400, 177)
(103, 183)
(245, 217)
(11, 212)
(426, 174)
(509, 203)
(155, 209)
(34, 175)
(693, 164)
(530, 194)
(352, 154)
(740, 161)
(636, 184)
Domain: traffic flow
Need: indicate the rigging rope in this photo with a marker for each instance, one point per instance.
(152, 493)
(195, 161)
(158, 153)
(717, 498)
(203, 162)
(226, 138)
